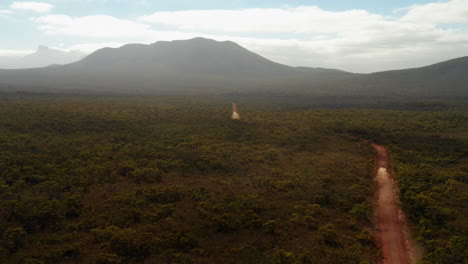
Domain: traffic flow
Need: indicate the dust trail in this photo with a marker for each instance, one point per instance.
(235, 115)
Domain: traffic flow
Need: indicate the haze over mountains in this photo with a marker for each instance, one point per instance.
(42, 57)
(210, 66)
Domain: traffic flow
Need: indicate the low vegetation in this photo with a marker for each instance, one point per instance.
(135, 180)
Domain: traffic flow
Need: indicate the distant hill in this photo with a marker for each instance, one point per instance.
(43, 57)
(204, 65)
(444, 79)
(195, 56)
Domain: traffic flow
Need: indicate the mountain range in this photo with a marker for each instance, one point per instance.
(205, 65)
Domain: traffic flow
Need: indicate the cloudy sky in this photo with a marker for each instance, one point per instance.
(358, 35)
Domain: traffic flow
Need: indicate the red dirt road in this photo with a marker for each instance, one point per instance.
(391, 225)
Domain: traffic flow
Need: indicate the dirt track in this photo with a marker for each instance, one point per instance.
(391, 232)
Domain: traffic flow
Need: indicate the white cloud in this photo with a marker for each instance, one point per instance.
(5, 12)
(101, 26)
(14, 53)
(306, 21)
(91, 47)
(37, 7)
(299, 20)
(105, 27)
(455, 11)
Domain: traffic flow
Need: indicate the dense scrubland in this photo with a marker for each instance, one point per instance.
(174, 180)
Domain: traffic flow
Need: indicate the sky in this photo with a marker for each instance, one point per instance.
(358, 36)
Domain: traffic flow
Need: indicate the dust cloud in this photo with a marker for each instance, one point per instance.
(235, 115)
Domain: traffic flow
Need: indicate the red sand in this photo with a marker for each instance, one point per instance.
(391, 226)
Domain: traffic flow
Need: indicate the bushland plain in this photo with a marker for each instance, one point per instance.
(115, 179)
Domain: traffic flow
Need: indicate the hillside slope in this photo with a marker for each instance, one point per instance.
(444, 79)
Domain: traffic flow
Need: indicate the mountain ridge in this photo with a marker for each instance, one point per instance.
(201, 64)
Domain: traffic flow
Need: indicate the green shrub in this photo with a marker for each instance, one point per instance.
(13, 238)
